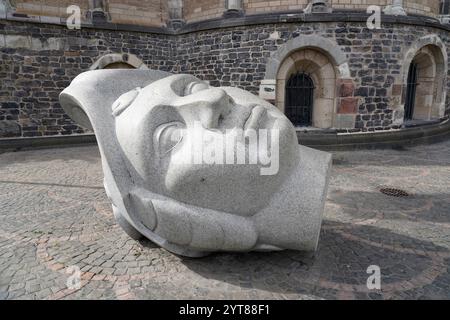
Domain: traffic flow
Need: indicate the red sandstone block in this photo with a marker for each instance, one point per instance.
(348, 105)
(397, 89)
(346, 88)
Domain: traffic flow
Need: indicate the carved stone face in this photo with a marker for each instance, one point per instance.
(195, 207)
(157, 125)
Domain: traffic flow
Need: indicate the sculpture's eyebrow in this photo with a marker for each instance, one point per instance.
(124, 101)
(179, 85)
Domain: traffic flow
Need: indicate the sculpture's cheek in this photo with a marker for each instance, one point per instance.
(238, 189)
(199, 228)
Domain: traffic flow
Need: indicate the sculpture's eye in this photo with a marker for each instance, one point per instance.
(167, 136)
(124, 101)
(194, 87)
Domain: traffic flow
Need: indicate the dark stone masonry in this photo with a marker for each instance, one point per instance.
(38, 60)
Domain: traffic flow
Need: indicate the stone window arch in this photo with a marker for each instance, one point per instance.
(119, 61)
(334, 103)
(431, 61)
(322, 71)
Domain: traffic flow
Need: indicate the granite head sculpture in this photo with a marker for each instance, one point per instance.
(198, 169)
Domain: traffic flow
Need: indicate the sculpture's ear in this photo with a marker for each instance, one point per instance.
(89, 97)
(74, 109)
(88, 101)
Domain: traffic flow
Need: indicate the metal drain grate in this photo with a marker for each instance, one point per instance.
(394, 192)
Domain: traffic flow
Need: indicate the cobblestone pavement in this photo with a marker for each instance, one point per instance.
(54, 214)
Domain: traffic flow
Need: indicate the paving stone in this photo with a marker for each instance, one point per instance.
(59, 193)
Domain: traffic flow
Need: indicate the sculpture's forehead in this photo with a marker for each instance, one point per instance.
(162, 91)
(174, 91)
(178, 82)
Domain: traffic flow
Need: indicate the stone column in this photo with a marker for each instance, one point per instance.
(318, 6)
(444, 12)
(176, 20)
(395, 9)
(233, 9)
(5, 7)
(97, 11)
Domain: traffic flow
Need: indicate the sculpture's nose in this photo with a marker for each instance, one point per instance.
(214, 104)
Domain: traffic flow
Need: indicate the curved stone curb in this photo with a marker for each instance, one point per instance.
(376, 140)
(320, 140)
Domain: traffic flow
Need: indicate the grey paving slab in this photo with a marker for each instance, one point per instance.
(54, 214)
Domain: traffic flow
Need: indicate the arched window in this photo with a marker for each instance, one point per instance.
(118, 65)
(411, 91)
(299, 99)
(118, 61)
(425, 85)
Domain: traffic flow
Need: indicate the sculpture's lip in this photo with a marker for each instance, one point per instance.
(254, 119)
